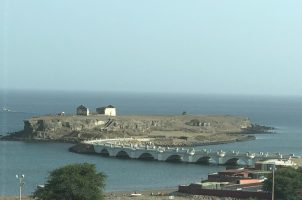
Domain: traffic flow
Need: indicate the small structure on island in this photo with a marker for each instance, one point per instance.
(109, 110)
(61, 114)
(82, 110)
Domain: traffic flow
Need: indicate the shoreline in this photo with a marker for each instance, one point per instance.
(193, 144)
(147, 194)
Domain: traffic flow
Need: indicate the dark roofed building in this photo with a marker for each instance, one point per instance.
(82, 110)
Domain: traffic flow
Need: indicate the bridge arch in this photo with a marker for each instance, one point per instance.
(232, 162)
(174, 158)
(236, 161)
(205, 160)
(122, 154)
(242, 161)
(146, 156)
(104, 152)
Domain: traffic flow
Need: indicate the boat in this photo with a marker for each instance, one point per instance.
(135, 194)
(5, 109)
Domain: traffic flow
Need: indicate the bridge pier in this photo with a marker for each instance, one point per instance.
(221, 160)
(160, 156)
(133, 154)
(250, 162)
(98, 148)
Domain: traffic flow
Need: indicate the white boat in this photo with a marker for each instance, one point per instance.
(5, 109)
(135, 195)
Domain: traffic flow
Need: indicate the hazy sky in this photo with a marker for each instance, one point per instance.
(194, 46)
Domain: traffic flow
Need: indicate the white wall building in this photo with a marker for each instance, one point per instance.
(269, 164)
(108, 110)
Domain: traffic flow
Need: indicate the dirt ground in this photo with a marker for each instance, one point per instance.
(298, 161)
(159, 194)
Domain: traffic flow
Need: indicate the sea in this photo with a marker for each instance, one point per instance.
(36, 159)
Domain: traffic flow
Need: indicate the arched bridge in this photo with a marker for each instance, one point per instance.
(125, 148)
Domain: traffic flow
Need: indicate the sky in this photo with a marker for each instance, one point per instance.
(166, 46)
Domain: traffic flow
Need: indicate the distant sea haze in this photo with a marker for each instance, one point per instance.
(35, 160)
(38, 102)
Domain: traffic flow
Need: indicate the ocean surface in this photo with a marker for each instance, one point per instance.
(36, 160)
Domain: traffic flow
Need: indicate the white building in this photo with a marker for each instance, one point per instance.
(108, 110)
(269, 164)
(82, 110)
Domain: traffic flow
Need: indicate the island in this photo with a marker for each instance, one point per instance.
(172, 130)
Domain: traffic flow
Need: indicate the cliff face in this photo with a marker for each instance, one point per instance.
(76, 128)
(59, 127)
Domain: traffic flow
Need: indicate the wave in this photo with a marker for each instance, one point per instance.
(17, 112)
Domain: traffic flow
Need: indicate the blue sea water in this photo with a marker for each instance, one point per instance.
(36, 160)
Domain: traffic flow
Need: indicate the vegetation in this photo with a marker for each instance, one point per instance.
(73, 182)
(288, 184)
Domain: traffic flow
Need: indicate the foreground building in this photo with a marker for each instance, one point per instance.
(236, 183)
